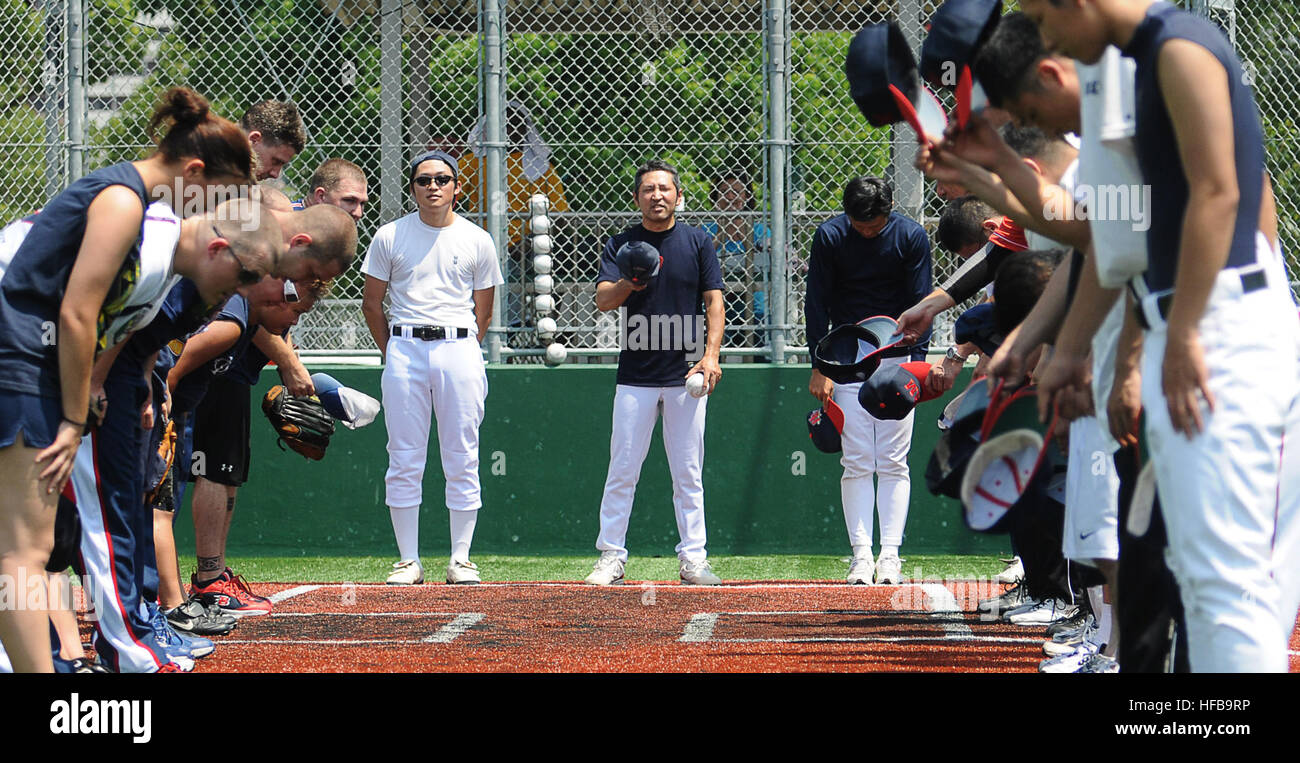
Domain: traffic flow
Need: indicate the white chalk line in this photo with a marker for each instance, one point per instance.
(449, 632)
(289, 593)
(460, 623)
(659, 585)
(700, 628)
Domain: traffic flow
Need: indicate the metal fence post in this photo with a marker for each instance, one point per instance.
(908, 198)
(493, 77)
(392, 178)
(76, 89)
(776, 32)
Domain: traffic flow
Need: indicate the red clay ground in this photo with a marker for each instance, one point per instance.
(659, 628)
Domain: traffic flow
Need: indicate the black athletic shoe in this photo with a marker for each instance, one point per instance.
(1070, 623)
(193, 617)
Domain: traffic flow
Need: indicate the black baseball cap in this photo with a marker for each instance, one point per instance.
(826, 426)
(977, 325)
(957, 31)
(894, 391)
(441, 156)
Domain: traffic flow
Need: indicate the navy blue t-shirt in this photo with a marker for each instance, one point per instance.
(242, 362)
(851, 278)
(1157, 147)
(666, 319)
(31, 292)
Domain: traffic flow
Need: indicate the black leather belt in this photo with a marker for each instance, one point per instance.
(1251, 280)
(430, 333)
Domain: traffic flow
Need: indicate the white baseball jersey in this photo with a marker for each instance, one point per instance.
(154, 279)
(433, 272)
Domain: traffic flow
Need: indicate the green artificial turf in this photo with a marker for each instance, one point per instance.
(374, 569)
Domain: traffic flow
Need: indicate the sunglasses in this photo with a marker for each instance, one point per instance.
(424, 180)
(246, 277)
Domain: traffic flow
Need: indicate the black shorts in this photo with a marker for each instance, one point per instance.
(220, 452)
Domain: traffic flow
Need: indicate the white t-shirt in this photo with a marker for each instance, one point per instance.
(161, 232)
(432, 273)
(1110, 181)
(1038, 241)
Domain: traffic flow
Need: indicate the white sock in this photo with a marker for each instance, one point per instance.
(406, 529)
(862, 552)
(462, 532)
(888, 550)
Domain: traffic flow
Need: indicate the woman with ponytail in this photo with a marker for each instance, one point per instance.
(63, 285)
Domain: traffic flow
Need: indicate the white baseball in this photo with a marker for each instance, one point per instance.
(696, 386)
(541, 244)
(539, 204)
(540, 225)
(543, 284)
(546, 329)
(544, 304)
(555, 354)
(542, 263)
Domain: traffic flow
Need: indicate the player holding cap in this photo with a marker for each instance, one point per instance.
(659, 268)
(869, 261)
(443, 272)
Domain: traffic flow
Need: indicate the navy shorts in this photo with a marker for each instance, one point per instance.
(36, 417)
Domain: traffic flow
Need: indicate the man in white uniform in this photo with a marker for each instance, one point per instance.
(443, 273)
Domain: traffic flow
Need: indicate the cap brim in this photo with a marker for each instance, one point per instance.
(999, 473)
(925, 116)
(971, 98)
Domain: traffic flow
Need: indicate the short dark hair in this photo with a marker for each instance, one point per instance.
(1027, 142)
(656, 165)
(1019, 283)
(745, 182)
(962, 223)
(278, 121)
(1005, 64)
(866, 198)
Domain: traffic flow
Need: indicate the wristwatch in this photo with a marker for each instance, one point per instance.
(952, 354)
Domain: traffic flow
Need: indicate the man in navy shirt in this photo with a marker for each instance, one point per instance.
(868, 261)
(663, 343)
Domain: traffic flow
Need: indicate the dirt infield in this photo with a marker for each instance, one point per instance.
(637, 628)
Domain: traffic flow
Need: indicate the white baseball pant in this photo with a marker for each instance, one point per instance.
(1231, 521)
(1091, 494)
(874, 447)
(444, 379)
(635, 412)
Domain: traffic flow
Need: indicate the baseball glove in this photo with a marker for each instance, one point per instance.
(161, 492)
(301, 422)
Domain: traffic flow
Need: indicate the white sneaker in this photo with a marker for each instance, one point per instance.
(1100, 663)
(1027, 603)
(889, 570)
(1070, 663)
(406, 572)
(608, 570)
(861, 571)
(1014, 573)
(698, 573)
(1047, 612)
(463, 573)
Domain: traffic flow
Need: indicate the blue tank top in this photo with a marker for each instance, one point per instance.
(34, 283)
(1157, 151)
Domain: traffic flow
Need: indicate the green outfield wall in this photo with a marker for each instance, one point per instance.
(544, 454)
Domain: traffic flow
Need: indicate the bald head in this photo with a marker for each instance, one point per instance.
(322, 242)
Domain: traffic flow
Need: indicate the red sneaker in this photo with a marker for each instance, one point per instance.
(231, 594)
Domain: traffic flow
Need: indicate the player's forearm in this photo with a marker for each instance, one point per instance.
(714, 317)
(377, 322)
(279, 351)
(1128, 352)
(1087, 311)
(1202, 255)
(483, 301)
(76, 349)
(610, 295)
(103, 363)
(1048, 208)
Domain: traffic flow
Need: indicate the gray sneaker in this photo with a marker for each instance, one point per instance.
(698, 573)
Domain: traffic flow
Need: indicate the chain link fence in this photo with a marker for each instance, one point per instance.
(559, 97)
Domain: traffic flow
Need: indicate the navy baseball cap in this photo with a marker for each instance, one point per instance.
(977, 325)
(957, 31)
(441, 156)
(891, 393)
(825, 427)
(851, 353)
(883, 81)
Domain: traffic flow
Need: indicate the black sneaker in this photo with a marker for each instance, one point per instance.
(1070, 623)
(82, 665)
(193, 617)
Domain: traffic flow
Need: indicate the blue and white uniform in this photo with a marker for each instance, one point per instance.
(1230, 495)
(851, 278)
(663, 336)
